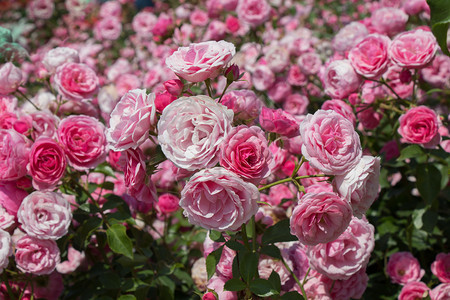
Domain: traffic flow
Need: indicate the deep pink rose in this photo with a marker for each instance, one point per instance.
(174, 86)
(419, 125)
(191, 130)
(330, 143)
(413, 49)
(340, 79)
(346, 255)
(414, 290)
(245, 151)
(253, 12)
(6, 249)
(11, 197)
(218, 199)
(441, 267)
(131, 120)
(10, 78)
(84, 141)
(320, 218)
(76, 81)
(47, 163)
(168, 203)
(403, 267)
(360, 186)
(441, 292)
(244, 103)
(389, 20)
(35, 256)
(59, 56)
(201, 61)
(369, 57)
(14, 149)
(341, 108)
(279, 121)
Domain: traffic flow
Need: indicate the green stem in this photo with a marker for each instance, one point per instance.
(8, 287)
(296, 278)
(223, 93)
(26, 98)
(383, 82)
(306, 276)
(289, 179)
(413, 98)
(208, 87)
(244, 237)
(253, 222)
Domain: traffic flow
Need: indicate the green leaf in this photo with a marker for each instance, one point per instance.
(212, 260)
(127, 297)
(234, 285)
(113, 201)
(118, 240)
(417, 217)
(233, 245)
(86, 229)
(429, 219)
(105, 169)
(110, 280)
(275, 281)
(428, 182)
(271, 250)
(292, 296)
(262, 288)
(248, 265)
(410, 152)
(280, 232)
(440, 20)
(216, 236)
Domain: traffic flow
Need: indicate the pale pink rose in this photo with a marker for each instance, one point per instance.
(263, 78)
(47, 163)
(245, 151)
(279, 121)
(438, 72)
(84, 141)
(199, 273)
(441, 292)
(10, 78)
(134, 168)
(268, 265)
(74, 259)
(11, 197)
(403, 267)
(6, 219)
(6, 249)
(296, 104)
(296, 76)
(120, 66)
(131, 120)
(110, 9)
(277, 57)
(199, 18)
(76, 81)
(201, 61)
(320, 218)
(340, 79)
(126, 83)
(8, 103)
(191, 130)
(353, 288)
(217, 283)
(389, 20)
(360, 186)
(40, 9)
(419, 125)
(305, 170)
(224, 266)
(59, 56)
(441, 267)
(349, 36)
(35, 256)
(168, 203)
(108, 28)
(309, 63)
(279, 193)
(279, 91)
(414, 290)
(218, 199)
(330, 143)
(143, 23)
(45, 215)
(244, 103)
(253, 12)
(44, 124)
(413, 49)
(216, 31)
(14, 149)
(341, 108)
(346, 255)
(369, 57)
(279, 157)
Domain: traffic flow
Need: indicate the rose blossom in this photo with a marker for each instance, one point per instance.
(403, 267)
(413, 49)
(441, 267)
(110, 9)
(348, 36)
(340, 79)
(131, 120)
(360, 186)
(218, 199)
(168, 203)
(45, 215)
(217, 283)
(224, 266)
(414, 290)
(6, 219)
(369, 57)
(201, 61)
(279, 121)
(10, 78)
(191, 130)
(74, 260)
(14, 149)
(438, 72)
(341, 108)
(296, 104)
(59, 56)
(330, 143)
(441, 292)
(84, 141)
(44, 124)
(389, 20)
(245, 151)
(309, 63)
(253, 12)
(263, 78)
(244, 103)
(36, 256)
(76, 81)
(6, 249)
(419, 125)
(11, 197)
(108, 28)
(320, 218)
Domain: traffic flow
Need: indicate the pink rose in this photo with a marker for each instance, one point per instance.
(253, 12)
(14, 149)
(413, 49)
(320, 218)
(279, 91)
(346, 255)
(419, 125)
(369, 57)
(224, 266)
(174, 86)
(353, 288)
(143, 23)
(199, 18)
(59, 56)
(414, 290)
(134, 169)
(296, 104)
(126, 82)
(201, 61)
(244, 103)
(191, 130)
(441, 267)
(6, 249)
(74, 260)
(414, 7)
(217, 283)
(330, 143)
(218, 199)
(108, 28)
(441, 292)
(7, 221)
(263, 78)
(35, 256)
(45, 215)
(350, 35)
(309, 63)
(40, 9)
(44, 124)
(76, 81)
(11, 197)
(341, 108)
(168, 203)
(279, 121)
(245, 151)
(403, 267)
(10, 78)
(360, 186)
(131, 120)
(389, 20)
(84, 141)
(340, 79)
(438, 72)
(8, 103)
(110, 9)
